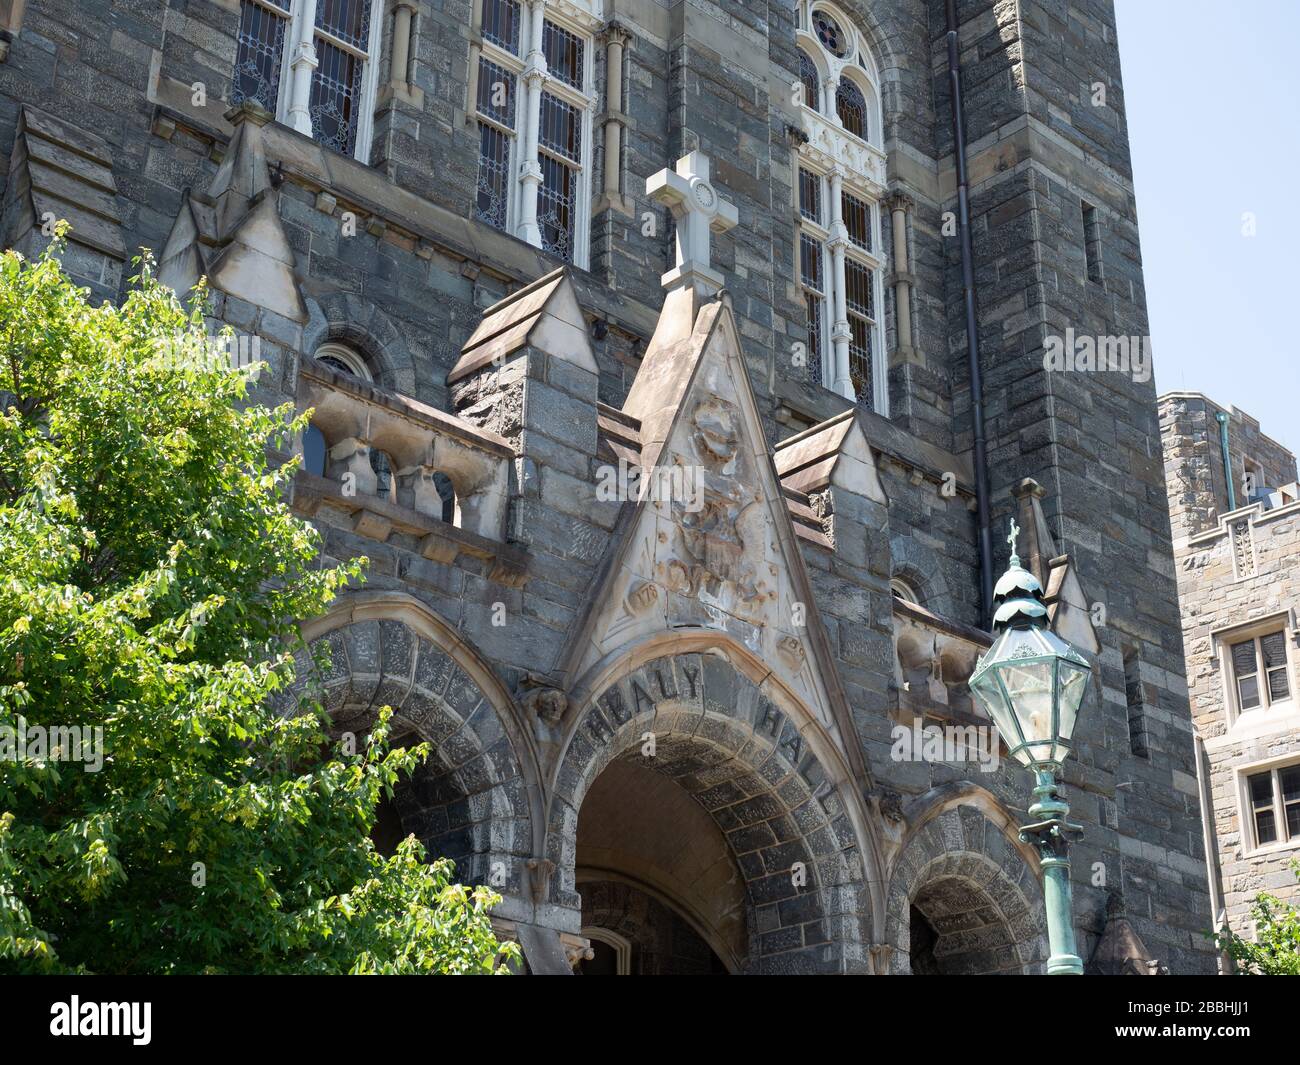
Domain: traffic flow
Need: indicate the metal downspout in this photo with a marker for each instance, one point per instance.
(980, 445)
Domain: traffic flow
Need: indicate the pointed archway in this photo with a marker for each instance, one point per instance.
(750, 831)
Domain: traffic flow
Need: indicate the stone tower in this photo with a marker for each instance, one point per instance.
(515, 254)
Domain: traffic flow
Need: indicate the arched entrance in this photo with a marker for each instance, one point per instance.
(473, 800)
(696, 807)
(964, 901)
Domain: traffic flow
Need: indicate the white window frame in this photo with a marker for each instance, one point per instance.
(567, 17)
(862, 164)
(820, 231)
(370, 78)
(1246, 807)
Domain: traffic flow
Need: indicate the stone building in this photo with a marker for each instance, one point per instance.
(511, 252)
(1234, 507)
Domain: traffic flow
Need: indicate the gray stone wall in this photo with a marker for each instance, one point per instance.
(410, 284)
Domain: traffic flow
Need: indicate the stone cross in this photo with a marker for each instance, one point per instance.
(698, 211)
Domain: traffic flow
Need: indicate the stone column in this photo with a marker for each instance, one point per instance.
(399, 77)
(899, 206)
(530, 169)
(301, 66)
(475, 50)
(840, 332)
(616, 37)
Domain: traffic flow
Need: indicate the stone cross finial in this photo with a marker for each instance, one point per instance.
(698, 211)
(1015, 532)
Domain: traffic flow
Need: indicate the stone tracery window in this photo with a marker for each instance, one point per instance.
(534, 104)
(840, 187)
(338, 93)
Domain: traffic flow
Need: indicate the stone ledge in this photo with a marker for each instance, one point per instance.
(377, 518)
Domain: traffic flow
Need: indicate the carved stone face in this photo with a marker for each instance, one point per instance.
(715, 432)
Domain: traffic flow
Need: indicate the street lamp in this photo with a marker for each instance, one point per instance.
(1032, 683)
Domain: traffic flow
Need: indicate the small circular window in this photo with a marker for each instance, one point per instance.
(829, 33)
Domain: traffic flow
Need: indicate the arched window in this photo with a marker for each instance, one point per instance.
(809, 79)
(549, 120)
(851, 106)
(314, 450)
(344, 360)
(900, 589)
(385, 481)
(841, 181)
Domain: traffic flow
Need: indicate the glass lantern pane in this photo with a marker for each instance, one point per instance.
(1029, 687)
(1072, 688)
(990, 696)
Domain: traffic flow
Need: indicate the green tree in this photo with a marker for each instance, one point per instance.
(150, 575)
(1275, 948)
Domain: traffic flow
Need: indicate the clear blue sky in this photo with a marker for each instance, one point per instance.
(1212, 89)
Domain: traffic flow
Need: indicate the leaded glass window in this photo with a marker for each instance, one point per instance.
(501, 24)
(860, 301)
(857, 219)
(810, 195)
(851, 106)
(812, 256)
(260, 56)
(809, 79)
(564, 52)
(343, 36)
(564, 115)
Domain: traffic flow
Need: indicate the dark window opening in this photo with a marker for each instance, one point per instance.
(314, 450)
(1092, 241)
(1137, 718)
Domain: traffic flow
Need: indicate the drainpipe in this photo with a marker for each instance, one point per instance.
(1210, 841)
(981, 462)
(1222, 419)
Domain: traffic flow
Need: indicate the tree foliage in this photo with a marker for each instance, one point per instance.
(1274, 950)
(150, 572)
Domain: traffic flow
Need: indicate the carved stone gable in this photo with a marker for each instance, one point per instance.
(710, 545)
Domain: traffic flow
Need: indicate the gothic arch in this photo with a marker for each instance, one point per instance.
(345, 318)
(763, 769)
(888, 67)
(478, 797)
(963, 871)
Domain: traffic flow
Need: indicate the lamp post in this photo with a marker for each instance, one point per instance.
(1032, 683)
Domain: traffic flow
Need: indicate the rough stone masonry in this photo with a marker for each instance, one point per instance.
(664, 734)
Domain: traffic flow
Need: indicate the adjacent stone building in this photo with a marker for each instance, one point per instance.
(1234, 505)
(514, 252)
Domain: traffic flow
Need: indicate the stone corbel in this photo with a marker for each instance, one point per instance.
(352, 456)
(540, 697)
(576, 949)
(540, 871)
(881, 954)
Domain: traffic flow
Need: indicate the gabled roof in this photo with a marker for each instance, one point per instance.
(59, 169)
(547, 306)
(746, 552)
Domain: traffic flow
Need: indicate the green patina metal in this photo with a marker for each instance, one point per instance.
(1032, 683)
